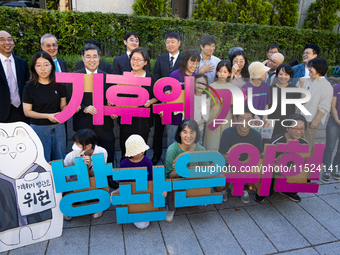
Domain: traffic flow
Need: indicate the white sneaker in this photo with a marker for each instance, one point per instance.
(97, 215)
(225, 195)
(142, 225)
(245, 198)
(169, 215)
(67, 217)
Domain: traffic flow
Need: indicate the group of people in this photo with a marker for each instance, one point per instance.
(36, 98)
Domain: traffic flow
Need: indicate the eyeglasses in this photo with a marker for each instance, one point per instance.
(307, 53)
(43, 66)
(137, 60)
(3, 40)
(133, 40)
(95, 57)
(53, 45)
(295, 129)
(193, 64)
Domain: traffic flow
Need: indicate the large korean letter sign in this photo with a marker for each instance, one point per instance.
(29, 205)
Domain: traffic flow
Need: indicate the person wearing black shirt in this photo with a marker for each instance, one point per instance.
(43, 98)
(235, 135)
(292, 133)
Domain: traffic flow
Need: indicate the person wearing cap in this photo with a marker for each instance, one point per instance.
(260, 89)
(135, 157)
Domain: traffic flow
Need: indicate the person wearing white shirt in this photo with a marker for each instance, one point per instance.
(208, 61)
(13, 76)
(321, 97)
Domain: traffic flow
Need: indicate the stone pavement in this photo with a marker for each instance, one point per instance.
(277, 226)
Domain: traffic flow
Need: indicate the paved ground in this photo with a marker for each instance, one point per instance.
(278, 226)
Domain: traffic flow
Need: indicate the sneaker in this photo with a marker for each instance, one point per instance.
(67, 217)
(292, 196)
(225, 195)
(336, 176)
(245, 198)
(169, 215)
(326, 177)
(258, 199)
(142, 225)
(97, 215)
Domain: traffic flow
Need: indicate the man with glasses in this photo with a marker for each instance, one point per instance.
(275, 60)
(49, 44)
(311, 51)
(297, 127)
(13, 76)
(208, 61)
(122, 63)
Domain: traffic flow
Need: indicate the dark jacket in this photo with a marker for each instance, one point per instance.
(22, 78)
(162, 68)
(85, 120)
(122, 64)
(104, 66)
(141, 125)
(63, 65)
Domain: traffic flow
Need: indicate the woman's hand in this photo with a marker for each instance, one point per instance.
(235, 68)
(314, 124)
(91, 110)
(78, 109)
(51, 117)
(114, 116)
(148, 103)
(302, 82)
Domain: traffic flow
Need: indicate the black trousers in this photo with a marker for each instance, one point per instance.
(157, 145)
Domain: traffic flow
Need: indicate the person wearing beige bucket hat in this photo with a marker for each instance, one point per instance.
(135, 157)
(260, 89)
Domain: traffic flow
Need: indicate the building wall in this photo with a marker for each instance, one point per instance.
(116, 6)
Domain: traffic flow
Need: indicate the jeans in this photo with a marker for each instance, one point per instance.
(52, 138)
(332, 135)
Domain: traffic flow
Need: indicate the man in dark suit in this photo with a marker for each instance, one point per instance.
(165, 64)
(84, 116)
(49, 44)
(13, 76)
(104, 66)
(122, 63)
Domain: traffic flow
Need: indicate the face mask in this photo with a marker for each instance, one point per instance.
(77, 151)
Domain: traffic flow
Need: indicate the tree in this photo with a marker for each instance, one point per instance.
(156, 8)
(322, 14)
(254, 11)
(288, 14)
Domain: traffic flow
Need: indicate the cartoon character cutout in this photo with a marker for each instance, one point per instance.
(29, 206)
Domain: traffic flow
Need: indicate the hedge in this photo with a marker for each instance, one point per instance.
(73, 28)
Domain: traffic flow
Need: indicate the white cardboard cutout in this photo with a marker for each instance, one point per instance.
(26, 188)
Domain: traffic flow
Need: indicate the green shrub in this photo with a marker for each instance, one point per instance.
(287, 13)
(254, 12)
(73, 29)
(215, 10)
(156, 8)
(322, 14)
